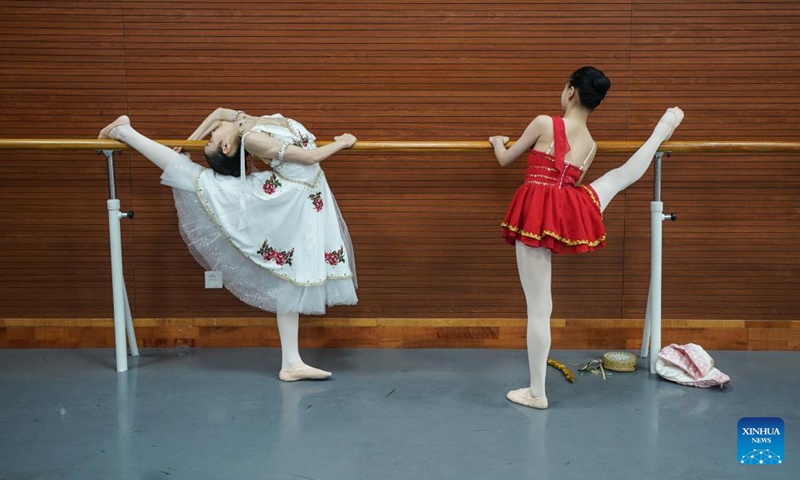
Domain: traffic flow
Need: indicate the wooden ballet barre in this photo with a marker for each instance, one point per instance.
(433, 146)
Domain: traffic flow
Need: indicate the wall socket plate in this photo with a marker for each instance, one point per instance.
(213, 279)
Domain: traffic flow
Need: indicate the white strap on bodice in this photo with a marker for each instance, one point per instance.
(591, 152)
(583, 164)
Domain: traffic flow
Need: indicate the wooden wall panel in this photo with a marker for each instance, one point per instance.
(61, 68)
(425, 228)
(732, 65)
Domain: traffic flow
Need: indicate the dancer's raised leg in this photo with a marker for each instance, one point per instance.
(292, 366)
(535, 273)
(617, 180)
(121, 129)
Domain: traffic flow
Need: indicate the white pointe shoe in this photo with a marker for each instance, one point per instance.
(524, 397)
(106, 132)
(671, 119)
(303, 372)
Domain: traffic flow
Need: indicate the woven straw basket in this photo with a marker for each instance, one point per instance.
(619, 361)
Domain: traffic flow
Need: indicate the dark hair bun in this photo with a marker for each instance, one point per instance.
(591, 84)
(224, 164)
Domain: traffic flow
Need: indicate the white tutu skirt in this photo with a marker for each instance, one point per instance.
(286, 259)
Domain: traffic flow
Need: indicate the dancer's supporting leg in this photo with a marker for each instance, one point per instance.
(535, 272)
(121, 129)
(623, 177)
(292, 366)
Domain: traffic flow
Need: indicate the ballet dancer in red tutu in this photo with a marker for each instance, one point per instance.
(552, 212)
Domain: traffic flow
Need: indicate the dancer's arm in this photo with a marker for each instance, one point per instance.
(264, 146)
(505, 156)
(212, 121)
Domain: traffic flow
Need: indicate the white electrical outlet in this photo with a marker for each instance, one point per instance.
(213, 279)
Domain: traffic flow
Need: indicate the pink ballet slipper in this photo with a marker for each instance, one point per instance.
(671, 119)
(106, 132)
(303, 372)
(524, 397)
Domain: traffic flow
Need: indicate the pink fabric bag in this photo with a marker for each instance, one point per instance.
(689, 365)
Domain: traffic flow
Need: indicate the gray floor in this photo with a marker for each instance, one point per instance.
(386, 414)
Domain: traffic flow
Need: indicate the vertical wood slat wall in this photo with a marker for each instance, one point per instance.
(425, 227)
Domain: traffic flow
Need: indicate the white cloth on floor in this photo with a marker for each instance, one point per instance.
(689, 365)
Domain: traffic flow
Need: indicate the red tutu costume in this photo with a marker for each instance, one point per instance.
(548, 210)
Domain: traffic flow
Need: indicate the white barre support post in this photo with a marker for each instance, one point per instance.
(122, 309)
(651, 337)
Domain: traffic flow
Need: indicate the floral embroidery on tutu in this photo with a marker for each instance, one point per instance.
(316, 200)
(335, 257)
(272, 184)
(302, 141)
(280, 257)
